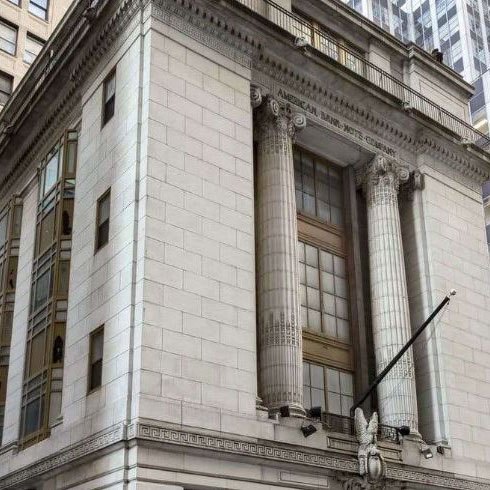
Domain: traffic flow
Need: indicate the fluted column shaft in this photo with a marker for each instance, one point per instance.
(390, 310)
(280, 338)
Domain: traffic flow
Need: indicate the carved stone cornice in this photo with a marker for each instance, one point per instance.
(471, 172)
(208, 26)
(101, 43)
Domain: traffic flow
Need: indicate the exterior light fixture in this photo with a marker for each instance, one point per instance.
(404, 430)
(308, 430)
(284, 411)
(315, 412)
(426, 451)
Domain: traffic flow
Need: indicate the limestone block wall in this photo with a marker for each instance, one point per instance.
(446, 248)
(101, 283)
(195, 353)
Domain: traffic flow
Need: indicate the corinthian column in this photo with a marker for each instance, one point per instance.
(280, 340)
(391, 318)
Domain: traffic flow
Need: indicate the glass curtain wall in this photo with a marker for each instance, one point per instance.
(43, 371)
(10, 226)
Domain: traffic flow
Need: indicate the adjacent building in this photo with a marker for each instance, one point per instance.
(213, 235)
(25, 25)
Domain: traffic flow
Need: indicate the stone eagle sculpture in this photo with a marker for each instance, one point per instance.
(371, 463)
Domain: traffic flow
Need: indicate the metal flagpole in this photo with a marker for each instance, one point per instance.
(388, 368)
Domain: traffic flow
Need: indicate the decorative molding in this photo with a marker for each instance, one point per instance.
(470, 172)
(345, 467)
(290, 454)
(273, 451)
(101, 43)
(65, 456)
(208, 27)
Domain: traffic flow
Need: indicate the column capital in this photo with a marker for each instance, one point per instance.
(272, 114)
(382, 174)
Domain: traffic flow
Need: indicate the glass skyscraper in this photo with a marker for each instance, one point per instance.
(460, 29)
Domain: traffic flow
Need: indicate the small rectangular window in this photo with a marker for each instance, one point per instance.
(109, 100)
(103, 217)
(6, 87)
(8, 38)
(15, 2)
(32, 49)
(39, 8)
(95, 361)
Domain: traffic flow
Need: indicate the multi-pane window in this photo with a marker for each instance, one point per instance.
(324, 292)
(109, 98)
(43, 370)
(422, 22)
(380, 13)
(318, 189)
(400, 19)
(8, 38)
(32, 49)
(39, 8)
(96, 358)
(103, 217)
(15, 2)
(325, 315)
(6, 84)
(10, 224)
(328, 388)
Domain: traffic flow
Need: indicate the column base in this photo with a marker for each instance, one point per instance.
(288, 410)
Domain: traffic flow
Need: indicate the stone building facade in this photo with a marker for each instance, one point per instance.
(25, 25)
(210, 227)
(486, 205)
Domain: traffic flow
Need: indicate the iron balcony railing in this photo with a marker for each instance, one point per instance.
(355, 62)
(345, 425)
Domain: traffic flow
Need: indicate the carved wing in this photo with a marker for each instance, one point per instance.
(373, 424)
(360, 425)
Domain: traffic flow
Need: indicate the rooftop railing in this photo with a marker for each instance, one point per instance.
(355, 62)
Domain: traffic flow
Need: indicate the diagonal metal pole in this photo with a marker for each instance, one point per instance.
(404, 349)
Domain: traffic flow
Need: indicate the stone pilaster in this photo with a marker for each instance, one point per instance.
(381, 180)
(280, 338)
